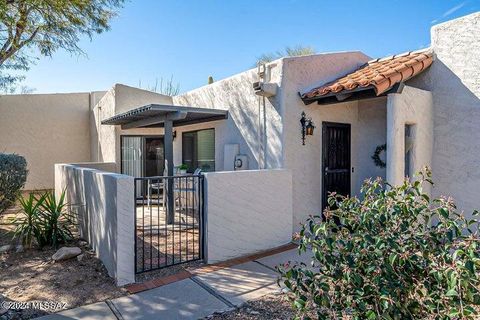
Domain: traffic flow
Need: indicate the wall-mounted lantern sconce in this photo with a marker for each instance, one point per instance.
(307, 127)
(174, 134)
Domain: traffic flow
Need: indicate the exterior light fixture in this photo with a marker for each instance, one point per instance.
(174, 134)
(307, 127)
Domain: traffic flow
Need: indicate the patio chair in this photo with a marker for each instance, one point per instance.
(158, 186)
(187, 186)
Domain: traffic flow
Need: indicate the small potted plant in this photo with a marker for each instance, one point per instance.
(183, 168)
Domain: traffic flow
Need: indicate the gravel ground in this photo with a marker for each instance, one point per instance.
(165, 249)
(268, 307)
(32, 276)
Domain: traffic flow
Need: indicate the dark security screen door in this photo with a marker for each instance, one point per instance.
(335, 159)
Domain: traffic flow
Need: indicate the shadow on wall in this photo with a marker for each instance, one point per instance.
(246, 116)
(456, 135)
(84, 193)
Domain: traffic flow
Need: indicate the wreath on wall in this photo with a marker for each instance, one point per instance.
(376, 156)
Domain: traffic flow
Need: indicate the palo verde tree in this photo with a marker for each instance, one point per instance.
(29, 27)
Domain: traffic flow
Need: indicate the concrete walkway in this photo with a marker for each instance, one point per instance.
(192, 298)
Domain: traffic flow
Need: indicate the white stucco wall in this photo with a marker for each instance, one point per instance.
(371, 132)
(45, 129)
(414, 107)
(454, 80)
(61, 182)
(247, 212)
(104, 205)
(119, 99)
(254, 123)
(367, 119)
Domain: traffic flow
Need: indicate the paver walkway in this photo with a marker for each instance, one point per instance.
(192, 298)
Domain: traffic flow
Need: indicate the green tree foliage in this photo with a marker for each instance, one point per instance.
(395, 254)
(287, 52)
(28, 26)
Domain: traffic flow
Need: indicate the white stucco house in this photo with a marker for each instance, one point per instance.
(261, 179)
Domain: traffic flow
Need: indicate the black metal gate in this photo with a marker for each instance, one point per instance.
(167, 235)
(335, 159)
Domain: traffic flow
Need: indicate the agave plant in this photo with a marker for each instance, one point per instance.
(57, 221)
(29, 224)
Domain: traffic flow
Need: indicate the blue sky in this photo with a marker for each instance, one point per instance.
(191, 40)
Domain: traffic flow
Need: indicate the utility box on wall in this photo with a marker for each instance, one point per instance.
(232, 159)
(229, 153)
(241, 162)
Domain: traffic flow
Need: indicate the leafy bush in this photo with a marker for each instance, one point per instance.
(396, 254)
(45, 219)
(13, 175)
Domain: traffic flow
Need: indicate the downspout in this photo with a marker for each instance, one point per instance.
(261, 104)
(91, 107)
(98, 134)
(264, 89)
(98, 131)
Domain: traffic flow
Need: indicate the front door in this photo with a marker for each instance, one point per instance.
(335, 159)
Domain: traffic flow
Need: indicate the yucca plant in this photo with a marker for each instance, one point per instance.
(29, 224)
(57, 221)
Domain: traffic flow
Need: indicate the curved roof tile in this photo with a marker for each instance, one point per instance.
(381, 74)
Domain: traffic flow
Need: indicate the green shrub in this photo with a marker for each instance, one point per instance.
(45, 219)
(396, 254)
(29, 223)
(13, 175)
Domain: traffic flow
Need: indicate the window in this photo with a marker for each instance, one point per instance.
(198, 150)
(409, 139)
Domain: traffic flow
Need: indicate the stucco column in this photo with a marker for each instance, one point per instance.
(413, 107)
(125, 205)
(395, 141)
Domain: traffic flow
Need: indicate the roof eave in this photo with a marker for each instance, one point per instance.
(138, 114)
(356, 94)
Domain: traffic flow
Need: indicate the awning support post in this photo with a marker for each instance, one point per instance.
(168, 140)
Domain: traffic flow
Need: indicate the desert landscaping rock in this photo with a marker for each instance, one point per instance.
(80, 257)
(5, 248)
(65, 253)
(19, 248)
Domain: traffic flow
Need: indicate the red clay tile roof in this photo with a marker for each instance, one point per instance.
(380, 74)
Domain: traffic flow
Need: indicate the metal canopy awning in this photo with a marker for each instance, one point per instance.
(166, 116)
(155, 115)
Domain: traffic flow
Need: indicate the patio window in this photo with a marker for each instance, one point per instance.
(198, 150)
